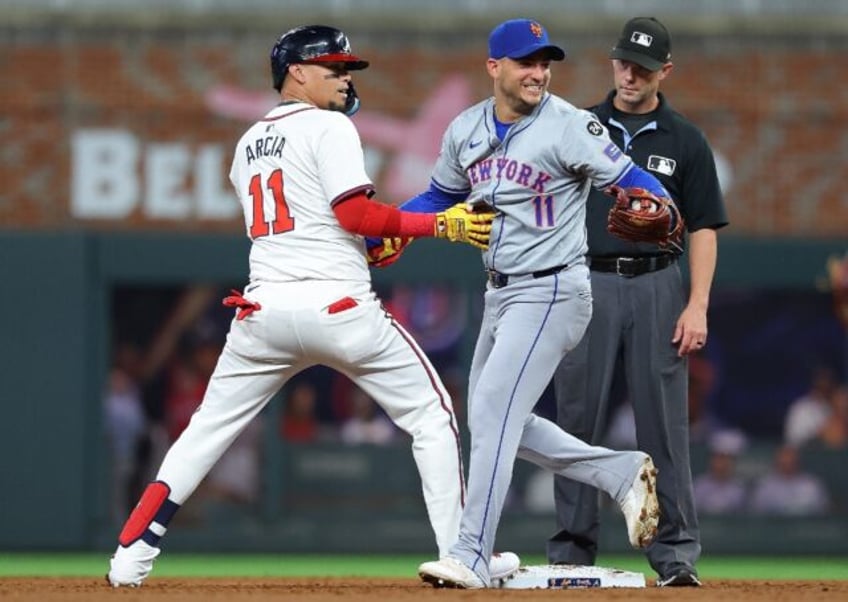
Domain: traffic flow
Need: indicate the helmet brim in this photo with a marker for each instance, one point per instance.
(352, 62)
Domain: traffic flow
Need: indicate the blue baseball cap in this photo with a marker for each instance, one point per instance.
(518, 38)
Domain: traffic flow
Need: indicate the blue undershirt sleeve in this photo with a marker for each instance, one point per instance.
(433, 200)
(636, 177)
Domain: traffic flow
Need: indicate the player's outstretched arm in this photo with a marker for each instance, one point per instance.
(385, 251)
(432, 200)
(636, 177)
(361, 215)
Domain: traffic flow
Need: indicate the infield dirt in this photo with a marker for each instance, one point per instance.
(19, 589)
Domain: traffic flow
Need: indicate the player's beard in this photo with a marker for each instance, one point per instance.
(337, 105)
(518, 103)
(530, 99)
(333, 105)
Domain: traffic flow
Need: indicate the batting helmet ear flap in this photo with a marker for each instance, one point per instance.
(352, 103)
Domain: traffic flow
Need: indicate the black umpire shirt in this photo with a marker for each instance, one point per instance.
(676, 152)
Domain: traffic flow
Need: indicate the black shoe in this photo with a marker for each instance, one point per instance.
(684, 577)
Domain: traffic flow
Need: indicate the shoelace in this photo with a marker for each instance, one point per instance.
(245, 307)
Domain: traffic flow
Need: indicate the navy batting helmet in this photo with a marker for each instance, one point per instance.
(311, 44)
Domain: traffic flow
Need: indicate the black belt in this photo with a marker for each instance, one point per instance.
(498, 280)
(631, 266)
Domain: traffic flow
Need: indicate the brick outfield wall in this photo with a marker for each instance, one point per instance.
(777, 114)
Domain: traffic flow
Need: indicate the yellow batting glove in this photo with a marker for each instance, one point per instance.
(459, 224)
(388, 252)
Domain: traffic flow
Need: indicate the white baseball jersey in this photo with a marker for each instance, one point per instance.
(537, 179)
(288, 170)
(314, 305)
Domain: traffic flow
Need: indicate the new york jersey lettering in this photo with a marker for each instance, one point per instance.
(522, 174)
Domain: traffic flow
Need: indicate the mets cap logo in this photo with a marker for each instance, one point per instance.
(536, 29)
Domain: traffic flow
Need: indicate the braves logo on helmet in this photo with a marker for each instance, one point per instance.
(311, 44)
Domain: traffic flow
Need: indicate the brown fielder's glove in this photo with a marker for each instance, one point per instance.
(638, 215)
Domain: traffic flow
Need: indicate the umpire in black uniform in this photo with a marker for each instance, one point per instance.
(642, 321)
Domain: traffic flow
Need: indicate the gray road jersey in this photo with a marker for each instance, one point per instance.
(538, 179)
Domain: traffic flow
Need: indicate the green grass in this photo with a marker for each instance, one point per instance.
(253, 565)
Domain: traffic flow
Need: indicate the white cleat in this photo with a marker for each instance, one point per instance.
(449, 572)
(502, 566)
(640, 506)
(129, 567)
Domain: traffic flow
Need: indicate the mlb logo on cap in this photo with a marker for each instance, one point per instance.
(643, 39)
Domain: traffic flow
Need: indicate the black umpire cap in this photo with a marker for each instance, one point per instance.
(644, 41)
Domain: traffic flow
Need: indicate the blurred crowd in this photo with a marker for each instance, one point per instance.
(153, 390)
(796, 479)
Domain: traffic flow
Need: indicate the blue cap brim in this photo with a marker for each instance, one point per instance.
(554, 52)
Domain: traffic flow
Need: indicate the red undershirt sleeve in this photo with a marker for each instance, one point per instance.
(360, 215)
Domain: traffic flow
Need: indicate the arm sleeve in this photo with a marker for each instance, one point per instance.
(360, 215)
(433, 200)
(637, 177)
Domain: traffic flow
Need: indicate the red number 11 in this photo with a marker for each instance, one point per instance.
(283, 221)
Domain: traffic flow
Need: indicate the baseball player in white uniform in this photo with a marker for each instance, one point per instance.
(532, 157)
(299, 174)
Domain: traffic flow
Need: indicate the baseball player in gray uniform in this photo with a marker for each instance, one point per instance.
(532, 157)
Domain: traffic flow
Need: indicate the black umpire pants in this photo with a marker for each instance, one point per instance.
(632, 326)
